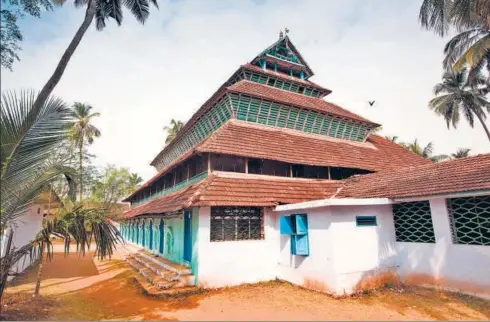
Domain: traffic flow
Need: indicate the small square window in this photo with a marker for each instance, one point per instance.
(366, 221)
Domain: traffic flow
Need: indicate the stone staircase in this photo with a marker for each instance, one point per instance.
(159, 276)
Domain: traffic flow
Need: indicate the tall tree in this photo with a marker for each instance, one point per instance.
(10, 35)
(29, 137)
(461, 153)
(454, 96)
(135, 179)
(82, 132)
(470, 18)
(425, 152)
(173, 129)
(101, 11)
(114, 185)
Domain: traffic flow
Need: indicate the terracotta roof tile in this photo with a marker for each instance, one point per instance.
(460, 175)
(173, 202)
(299, 100)
(259, 141)
(234, 189)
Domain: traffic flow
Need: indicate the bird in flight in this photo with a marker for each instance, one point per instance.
(371, 103)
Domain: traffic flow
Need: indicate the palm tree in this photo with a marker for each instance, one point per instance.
(28, 138)
(455, 96)
(392, 138)
(135, 179)
(173, 129)
(425, 152)
(80, 130)
(471, 46)
(102, 11)
(461, 153)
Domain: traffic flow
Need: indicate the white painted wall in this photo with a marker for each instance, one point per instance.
(461, 267)
(341, 254)
(344, 257)
(25, 229)
(227, 263)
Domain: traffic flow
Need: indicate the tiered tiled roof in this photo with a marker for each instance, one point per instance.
(234, 189)
(285, 77)
(454, 176)
(295, 99)
(247, 139)
(266, 142)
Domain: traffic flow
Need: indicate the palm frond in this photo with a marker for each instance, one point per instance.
(474, 54)
(459, 44)
(435, 15)
(461, 153)
(139, 8)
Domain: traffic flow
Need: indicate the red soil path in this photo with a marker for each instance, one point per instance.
(86, 289)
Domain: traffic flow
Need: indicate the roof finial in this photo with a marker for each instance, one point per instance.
(284, 33)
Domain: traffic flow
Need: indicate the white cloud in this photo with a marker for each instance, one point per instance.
(140, 77)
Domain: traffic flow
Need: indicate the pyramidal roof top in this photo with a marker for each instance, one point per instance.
(283, 55)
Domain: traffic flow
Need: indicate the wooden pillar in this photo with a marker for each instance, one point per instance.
(291, 170)
(246, 165)
(329, 175)
(187, 171)
(209, 163)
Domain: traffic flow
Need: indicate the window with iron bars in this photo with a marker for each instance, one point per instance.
(237, 223)
(413, 222)
(470, 220)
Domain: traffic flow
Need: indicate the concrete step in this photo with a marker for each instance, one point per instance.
(157, 269)
(155, 279)
(152, 290)
(167, 264)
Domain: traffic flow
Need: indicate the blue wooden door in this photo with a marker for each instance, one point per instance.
(161, 231)
(187, 236)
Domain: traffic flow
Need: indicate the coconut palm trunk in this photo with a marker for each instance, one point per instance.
(483, 124)
(81, 168)
(60, 69)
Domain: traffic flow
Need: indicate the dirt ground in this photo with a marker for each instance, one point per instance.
(86, 289)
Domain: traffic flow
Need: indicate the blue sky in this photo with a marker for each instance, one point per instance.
(140, 77)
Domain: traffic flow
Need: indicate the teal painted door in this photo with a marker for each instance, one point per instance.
(187, 236)
(161, 231)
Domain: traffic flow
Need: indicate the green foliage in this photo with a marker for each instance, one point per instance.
(470, 18)
(455, 96)
(461, 153)
(113, 186)
(10, 35)
(425, 152)
(82, 132)
(173, 129)
(28, 140)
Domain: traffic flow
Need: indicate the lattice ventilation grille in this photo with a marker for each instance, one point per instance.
(470, 220)
(413, 222)
(270, 113)
(277, 82)
(236, 223)
(204, 127)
